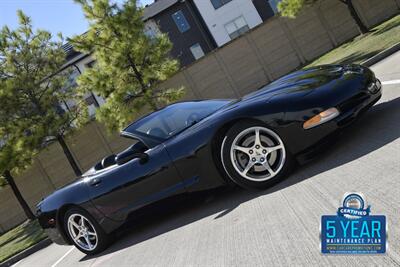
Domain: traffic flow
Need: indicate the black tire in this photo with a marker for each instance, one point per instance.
(103, 239)
(225, 154)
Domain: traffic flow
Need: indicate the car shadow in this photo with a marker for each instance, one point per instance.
(368, 134)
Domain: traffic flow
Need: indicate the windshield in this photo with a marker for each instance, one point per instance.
(173, 119)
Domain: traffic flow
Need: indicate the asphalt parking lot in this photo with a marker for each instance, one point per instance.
(279, 226)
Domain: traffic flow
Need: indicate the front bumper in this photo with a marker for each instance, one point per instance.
(358, 105)
(328, 133)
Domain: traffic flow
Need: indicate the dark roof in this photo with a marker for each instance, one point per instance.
(157, 7)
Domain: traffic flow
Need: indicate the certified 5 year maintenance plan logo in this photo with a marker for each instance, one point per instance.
(353, 230)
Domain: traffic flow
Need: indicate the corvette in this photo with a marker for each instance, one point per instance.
(252, 142)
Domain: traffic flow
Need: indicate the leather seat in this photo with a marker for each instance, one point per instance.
(108, 161)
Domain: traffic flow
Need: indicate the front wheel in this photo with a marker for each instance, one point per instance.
(254, 156)
(85, 233)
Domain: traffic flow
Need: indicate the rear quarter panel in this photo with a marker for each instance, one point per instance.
(73, 195)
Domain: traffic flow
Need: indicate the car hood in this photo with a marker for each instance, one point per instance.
(301, 82)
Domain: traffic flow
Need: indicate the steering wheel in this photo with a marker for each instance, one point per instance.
(193, 118)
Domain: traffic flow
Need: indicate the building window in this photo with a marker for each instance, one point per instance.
(180, 21)
(151, 33)
(151, 29)
(219, 3)
(236, 27)
(197, 51)
(274, 5)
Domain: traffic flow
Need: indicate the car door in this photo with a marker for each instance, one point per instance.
(121, 189)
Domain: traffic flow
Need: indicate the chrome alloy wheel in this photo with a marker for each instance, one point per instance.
(82, 232)
(257, 154)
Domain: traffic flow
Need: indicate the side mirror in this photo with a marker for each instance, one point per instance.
(131, 154)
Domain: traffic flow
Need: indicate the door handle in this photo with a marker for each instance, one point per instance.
(95, 181)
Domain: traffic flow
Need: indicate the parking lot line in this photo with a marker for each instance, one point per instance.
(60, 259)
(391, 82)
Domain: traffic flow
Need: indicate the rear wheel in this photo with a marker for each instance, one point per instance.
(254, 156)
(85, 233)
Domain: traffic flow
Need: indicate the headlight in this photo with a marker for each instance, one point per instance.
(374, 87)
(322, 117)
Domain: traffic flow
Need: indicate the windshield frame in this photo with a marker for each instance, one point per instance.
(148, 140)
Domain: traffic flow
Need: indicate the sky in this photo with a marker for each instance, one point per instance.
(53, 15)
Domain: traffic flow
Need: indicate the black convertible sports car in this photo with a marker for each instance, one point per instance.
(197, 145)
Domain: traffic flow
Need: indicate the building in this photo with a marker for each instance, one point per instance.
(195, 28)
(185, 27)
(78, 62)
(179, 19)
(228, 19)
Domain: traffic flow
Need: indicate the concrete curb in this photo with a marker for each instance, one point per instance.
(382, 55)
(25, 253)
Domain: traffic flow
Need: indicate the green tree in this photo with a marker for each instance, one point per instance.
(129, 63)
(36, 95)
(290, 8)
(15, 157)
